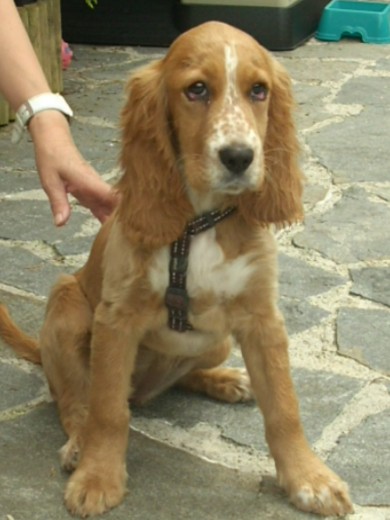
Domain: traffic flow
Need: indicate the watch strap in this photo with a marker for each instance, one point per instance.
(34, 105)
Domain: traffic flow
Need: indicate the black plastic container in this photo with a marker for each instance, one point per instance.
(277, 28)
(21, 3)
(158, 22)
(119, 22)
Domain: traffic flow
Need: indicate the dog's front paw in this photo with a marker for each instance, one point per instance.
(90, 493)
(318, 490)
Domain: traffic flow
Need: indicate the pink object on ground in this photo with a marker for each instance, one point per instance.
(66, 55)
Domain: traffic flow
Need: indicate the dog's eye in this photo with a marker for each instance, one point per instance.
(259, 92)
(197, 92)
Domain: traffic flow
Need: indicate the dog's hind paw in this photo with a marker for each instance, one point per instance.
(231, 385)
(70, 455)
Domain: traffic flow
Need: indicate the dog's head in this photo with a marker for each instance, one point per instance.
(208, 125)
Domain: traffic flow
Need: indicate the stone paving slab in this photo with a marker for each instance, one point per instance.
(16, 181)
(361, 458)
(191, 457)
(27, 311)
(358, 338)
(163, 482)
(86, 135)
(31, 220)
(372, 283)
(242, 423)
(24, 270)
(355, 156)
(18, 387)
(336, 235)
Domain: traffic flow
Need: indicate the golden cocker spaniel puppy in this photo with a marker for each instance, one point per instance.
(186, 263)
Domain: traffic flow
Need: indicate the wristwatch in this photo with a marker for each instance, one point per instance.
(33, 106)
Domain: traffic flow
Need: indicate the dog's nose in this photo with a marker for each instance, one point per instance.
(236, 158)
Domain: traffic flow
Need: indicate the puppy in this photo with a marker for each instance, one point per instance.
(186, 264)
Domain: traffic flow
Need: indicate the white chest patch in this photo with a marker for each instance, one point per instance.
(208, 270)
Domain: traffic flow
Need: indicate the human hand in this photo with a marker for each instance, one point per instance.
(63, 170)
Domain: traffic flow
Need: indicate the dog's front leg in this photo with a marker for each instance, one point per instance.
(99, 481)
(311, 485)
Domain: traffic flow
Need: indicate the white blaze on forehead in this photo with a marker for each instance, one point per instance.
(231, 62)
(231, 125)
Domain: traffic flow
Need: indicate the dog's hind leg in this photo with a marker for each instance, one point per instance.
(227, 384)
(64, 344)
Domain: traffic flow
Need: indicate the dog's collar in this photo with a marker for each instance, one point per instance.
(176, 296)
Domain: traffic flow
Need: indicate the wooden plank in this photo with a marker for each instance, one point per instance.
(44, 35)
(55, 39)
(42, 21)
(4, 111)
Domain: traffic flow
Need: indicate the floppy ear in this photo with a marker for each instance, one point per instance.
(153, 208)
(279, 200)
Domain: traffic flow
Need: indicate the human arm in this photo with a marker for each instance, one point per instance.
(61, 167)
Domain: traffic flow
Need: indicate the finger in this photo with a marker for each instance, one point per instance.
(101, 213)
(61, 217)
(97, 196)
(59, 203)
(107, 206)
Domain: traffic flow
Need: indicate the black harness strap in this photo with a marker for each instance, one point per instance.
(176, 296)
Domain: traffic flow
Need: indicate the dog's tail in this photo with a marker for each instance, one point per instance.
(24, 346)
